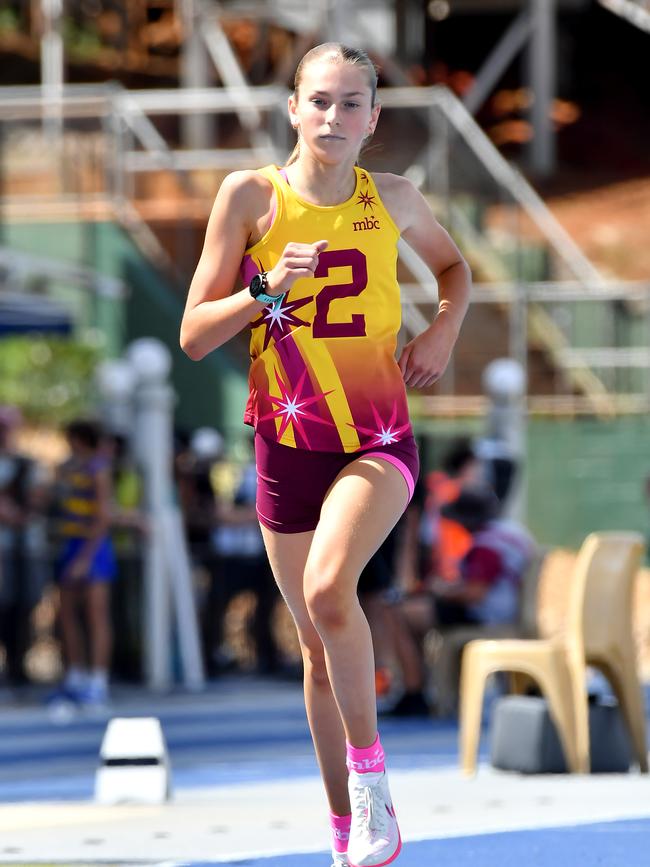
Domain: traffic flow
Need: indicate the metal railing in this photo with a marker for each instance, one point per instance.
(637, 12)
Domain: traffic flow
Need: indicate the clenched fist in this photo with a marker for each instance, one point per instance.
(297, 260)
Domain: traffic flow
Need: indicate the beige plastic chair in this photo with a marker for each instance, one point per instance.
(443, 648)
(598, 633)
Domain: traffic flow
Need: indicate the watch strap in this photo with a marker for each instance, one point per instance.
(261, 295)
(270, 299)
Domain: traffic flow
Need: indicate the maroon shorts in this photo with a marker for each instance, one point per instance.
(292, 483)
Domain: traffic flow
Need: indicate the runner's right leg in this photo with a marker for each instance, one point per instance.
(287, 554)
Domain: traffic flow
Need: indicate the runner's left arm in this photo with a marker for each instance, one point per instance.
(425, 358)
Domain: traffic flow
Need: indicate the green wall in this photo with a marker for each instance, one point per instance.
(582, 474)
(587, 474)
(210, 392)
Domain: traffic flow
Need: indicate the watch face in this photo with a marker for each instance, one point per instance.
(256, 285)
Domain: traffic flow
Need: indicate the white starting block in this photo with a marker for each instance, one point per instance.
(134, 765)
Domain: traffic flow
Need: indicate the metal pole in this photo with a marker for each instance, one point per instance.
(518, 501)
(52, 66)
(116, 127)
(167, 565)
(410, 29)
(501, 56)
(542, 76)
(517, 414)
(632, 10)
(197, 128)
(504, 382)
(336, 21)
(180, 578)
(518, 343)
(154, 408)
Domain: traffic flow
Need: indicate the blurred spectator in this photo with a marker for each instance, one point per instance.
(375, 582)
(195, 459)
(21, 544)
(242, 565)
(393, 568)
(491, 572)
(441, 543)
(396, 631)
(85, 564)
(446, 539)
(413, 701)
(486, 592)
(128, 528)
(500, 467)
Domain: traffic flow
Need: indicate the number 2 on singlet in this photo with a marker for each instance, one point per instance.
(356, 326)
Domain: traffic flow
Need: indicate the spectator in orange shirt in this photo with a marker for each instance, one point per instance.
(447, 539)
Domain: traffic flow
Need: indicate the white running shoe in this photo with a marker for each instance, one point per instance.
(374, 835)
(340, 859)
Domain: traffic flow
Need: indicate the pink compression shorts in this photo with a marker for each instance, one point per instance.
(292, 483)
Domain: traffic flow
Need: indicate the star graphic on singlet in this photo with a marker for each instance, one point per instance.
(292, 407)
(366, 200)
(386, 433)
(280, 318)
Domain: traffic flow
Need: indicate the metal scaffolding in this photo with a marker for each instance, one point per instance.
(495, 215)
(205, 46)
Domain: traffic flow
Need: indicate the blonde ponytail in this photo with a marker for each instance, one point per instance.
(295, 153)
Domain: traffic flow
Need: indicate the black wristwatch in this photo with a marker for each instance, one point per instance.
(259, 285)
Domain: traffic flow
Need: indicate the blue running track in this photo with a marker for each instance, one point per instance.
(607, 844)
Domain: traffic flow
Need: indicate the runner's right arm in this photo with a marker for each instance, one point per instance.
(212, 314)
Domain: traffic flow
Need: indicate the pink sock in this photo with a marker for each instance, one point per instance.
(365, 760)
(340, 826)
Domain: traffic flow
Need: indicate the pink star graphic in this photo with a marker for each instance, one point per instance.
(385, 434)
(279, 319)
(291, 408)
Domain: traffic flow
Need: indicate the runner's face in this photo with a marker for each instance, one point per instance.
(334, 111)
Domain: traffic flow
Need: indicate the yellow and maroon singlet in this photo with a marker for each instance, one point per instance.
(323, 373)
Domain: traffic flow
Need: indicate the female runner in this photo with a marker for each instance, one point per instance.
(315, 243)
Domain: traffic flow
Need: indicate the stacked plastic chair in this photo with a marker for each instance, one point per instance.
(598, 633)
